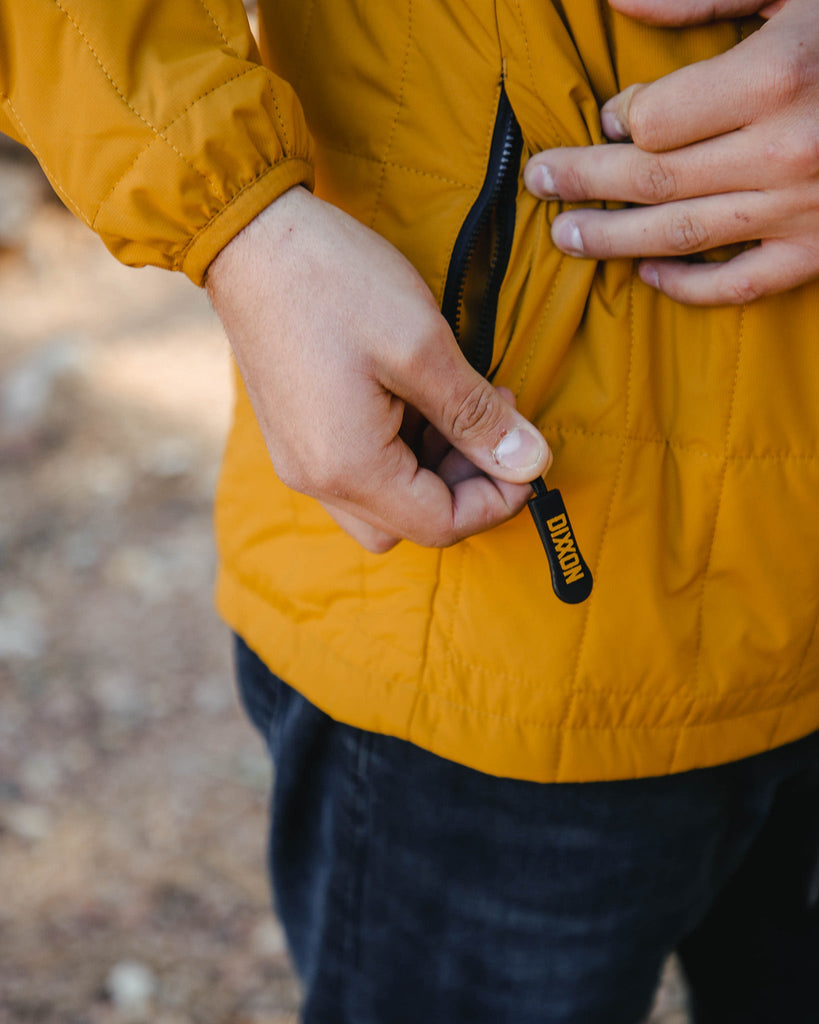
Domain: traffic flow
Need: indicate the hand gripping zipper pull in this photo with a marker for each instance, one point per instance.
(571, 578)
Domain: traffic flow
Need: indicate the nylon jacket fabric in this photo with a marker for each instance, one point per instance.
(686, 440)
(154, 120)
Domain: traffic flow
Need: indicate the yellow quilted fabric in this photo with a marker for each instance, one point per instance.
(686, 440)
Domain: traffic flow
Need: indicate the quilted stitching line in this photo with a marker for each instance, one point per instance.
(395, 164)
(249, 70)
(562, 728)
(286, 146)
(158, 132)
(218, 27)
(723, 476)
(254, 583)
(473, 192)
(461, 554)
(232, 50)
(543, 321)
(522, 683)
(398, 109)
(689, 449)
(605, 534)
(65, 198)
(145, 148)
(546, 726)
(548, 114)
(419, 690)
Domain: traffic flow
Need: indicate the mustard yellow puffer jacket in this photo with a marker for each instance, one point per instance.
(686, 440)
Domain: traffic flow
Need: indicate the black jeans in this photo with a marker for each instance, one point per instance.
(416, 891)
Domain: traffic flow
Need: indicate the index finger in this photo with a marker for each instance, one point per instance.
(406, 500)
(703, 100)
(624, 173)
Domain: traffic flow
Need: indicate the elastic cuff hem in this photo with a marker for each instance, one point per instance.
(209, 241)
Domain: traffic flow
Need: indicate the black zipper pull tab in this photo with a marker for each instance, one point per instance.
(571, 578)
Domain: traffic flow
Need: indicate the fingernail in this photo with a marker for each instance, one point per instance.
(613, 127)
(544, 182)
(649, 275)
(538, 179)
(519, 449)
(566, 235)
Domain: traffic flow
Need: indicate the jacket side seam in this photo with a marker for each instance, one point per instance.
(69, 202)
(148, 145)
(157, 131)
(729, 425)
(573, 686)
(398, 108)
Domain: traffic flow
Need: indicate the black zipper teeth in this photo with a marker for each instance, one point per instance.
(498, 193)
(501, 250)
(571, 579)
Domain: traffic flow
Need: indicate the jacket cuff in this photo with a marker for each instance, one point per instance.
(209, 241)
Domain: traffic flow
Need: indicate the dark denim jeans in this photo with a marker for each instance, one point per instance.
(416, 891)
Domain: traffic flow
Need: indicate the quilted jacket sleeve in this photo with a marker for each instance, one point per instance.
(155, 120)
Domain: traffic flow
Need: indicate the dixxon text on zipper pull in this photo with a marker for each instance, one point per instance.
(571, 578)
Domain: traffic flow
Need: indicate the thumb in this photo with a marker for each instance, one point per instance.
(475, 418)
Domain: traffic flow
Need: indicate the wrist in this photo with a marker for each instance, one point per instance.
(267, 232)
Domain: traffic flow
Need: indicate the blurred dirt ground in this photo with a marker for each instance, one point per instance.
(132, 791)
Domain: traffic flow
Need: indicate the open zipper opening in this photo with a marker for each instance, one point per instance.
(493, 215)
(477, 267)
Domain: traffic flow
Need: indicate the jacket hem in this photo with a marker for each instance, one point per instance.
(496, 744)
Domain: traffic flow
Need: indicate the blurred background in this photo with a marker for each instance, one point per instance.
(132, 791)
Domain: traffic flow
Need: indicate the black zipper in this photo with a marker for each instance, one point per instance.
(496, 198)
(494, 210)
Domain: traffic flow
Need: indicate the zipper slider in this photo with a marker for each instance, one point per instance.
(571, 578)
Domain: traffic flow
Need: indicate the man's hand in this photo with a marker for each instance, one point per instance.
(725, 151)
(346, 359)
